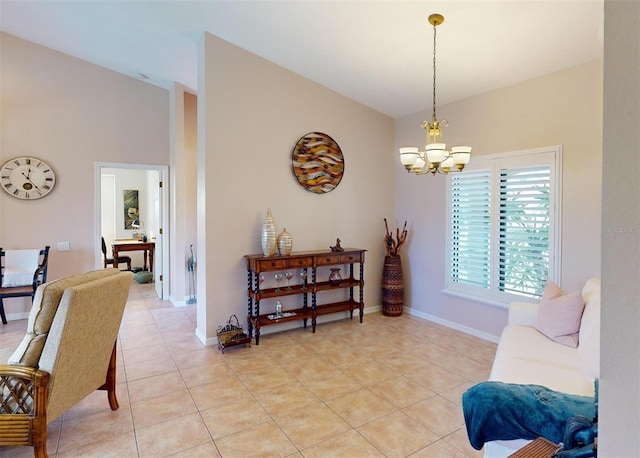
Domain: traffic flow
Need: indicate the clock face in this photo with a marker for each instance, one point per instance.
(27, 178)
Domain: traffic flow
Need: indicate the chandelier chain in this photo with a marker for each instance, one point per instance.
(434, 74)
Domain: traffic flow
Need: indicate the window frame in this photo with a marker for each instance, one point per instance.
(547, 156)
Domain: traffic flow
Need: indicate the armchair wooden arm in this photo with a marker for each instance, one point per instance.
(23, 407)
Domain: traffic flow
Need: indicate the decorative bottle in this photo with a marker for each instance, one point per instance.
(269, 235)
(285, 243)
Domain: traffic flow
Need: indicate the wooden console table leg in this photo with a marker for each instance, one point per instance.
(351, 292)
(313, 300)
(361, 291)
(305, 305)
(250, 304)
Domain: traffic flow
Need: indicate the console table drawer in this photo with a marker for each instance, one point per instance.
(300, 262)
(272, 264)
(327, 260)
(351, 258)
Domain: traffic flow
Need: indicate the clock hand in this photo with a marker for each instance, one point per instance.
(29, 180)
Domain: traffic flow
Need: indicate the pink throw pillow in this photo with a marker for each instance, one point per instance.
(560, 314)
(552, 290)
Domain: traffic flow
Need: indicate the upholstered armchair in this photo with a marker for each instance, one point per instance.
(68, 352)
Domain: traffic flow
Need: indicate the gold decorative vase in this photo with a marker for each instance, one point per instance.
(285, 243)
(269, 235)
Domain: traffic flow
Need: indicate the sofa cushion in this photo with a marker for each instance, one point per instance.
(526, 356)
(559, 315)
(45, 305)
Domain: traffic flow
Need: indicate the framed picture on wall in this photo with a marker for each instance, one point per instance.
(131, 209)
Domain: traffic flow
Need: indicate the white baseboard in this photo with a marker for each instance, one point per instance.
(452, 325)
(206, 342)
(17, 316)
(266, 330)
(182, 303)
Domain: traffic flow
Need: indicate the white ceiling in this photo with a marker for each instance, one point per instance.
(376, 52)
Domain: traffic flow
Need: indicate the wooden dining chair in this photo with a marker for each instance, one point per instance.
(27, 290)
(109, 260)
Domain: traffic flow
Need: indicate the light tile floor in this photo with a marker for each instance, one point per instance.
(389, 387)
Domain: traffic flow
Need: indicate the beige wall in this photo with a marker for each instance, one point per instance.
(191, 182)
(71, 114)
(251, 113)
(563, 108)
(183, 165)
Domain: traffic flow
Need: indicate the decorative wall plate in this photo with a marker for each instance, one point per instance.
(317, 162)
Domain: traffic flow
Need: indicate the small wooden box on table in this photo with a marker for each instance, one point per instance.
(308, 261)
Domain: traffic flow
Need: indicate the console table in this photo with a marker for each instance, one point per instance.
(308, 262)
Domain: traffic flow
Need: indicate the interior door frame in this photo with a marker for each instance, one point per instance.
(163, 173)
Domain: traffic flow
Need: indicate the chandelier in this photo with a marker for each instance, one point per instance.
(435, 157)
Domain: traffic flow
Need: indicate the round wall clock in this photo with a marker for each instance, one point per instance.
(317, 162)
(27, 178)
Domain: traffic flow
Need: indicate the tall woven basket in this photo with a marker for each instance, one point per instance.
(392, 286)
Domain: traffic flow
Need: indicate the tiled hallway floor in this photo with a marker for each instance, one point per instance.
(388, 387)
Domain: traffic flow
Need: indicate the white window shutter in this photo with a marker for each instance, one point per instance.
(504, 226)
(524, 230)
(471, 229)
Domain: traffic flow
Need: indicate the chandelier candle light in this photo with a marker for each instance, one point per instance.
(435, 157)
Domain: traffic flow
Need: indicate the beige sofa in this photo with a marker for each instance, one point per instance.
(67, 353)
(526, 356)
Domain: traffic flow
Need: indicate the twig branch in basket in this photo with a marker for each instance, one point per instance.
(393, 246)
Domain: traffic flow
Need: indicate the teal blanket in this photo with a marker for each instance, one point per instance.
(503, 411)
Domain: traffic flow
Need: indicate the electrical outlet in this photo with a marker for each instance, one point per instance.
(63, 246)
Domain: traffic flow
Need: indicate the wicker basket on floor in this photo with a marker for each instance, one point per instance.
(231, 334)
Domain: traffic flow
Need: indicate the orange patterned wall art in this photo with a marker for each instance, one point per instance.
(317, 162)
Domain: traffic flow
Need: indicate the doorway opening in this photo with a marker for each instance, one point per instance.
(132, 204)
